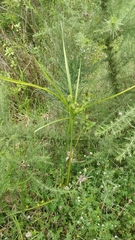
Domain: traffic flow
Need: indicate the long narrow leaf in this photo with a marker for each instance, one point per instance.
(18, 226)
(115, 95)
(66, 66)
(48, 124)
(29, 84)
(77, 85)
(105, 99)
(48, 78)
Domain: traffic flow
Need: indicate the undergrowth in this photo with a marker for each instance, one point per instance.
(97, 204)
(99, 201)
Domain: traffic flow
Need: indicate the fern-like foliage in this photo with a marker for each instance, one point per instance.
(120, 133)
(128, 148)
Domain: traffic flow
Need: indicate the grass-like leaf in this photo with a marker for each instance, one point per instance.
(66, 66)
(29, 84)
(48, 124)
(48, 78)
(77, 85)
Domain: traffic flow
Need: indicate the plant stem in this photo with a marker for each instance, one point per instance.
(71, 129)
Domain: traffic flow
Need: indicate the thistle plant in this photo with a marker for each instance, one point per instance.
(70, 102)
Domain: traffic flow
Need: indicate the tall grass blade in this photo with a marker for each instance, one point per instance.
(66, 66)
(105, 99)
(48, 78)
(77, 85)
(116, 95)
(14, 218)
(48, 124)
(30, 85)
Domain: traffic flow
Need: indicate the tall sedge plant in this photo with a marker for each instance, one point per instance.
(70, 102)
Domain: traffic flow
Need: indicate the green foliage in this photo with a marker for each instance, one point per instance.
(121, 128)
(98, 203)
(69, 103)
(70, 88)
(4, 103)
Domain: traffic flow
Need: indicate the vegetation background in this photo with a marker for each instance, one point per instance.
(36, 200)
